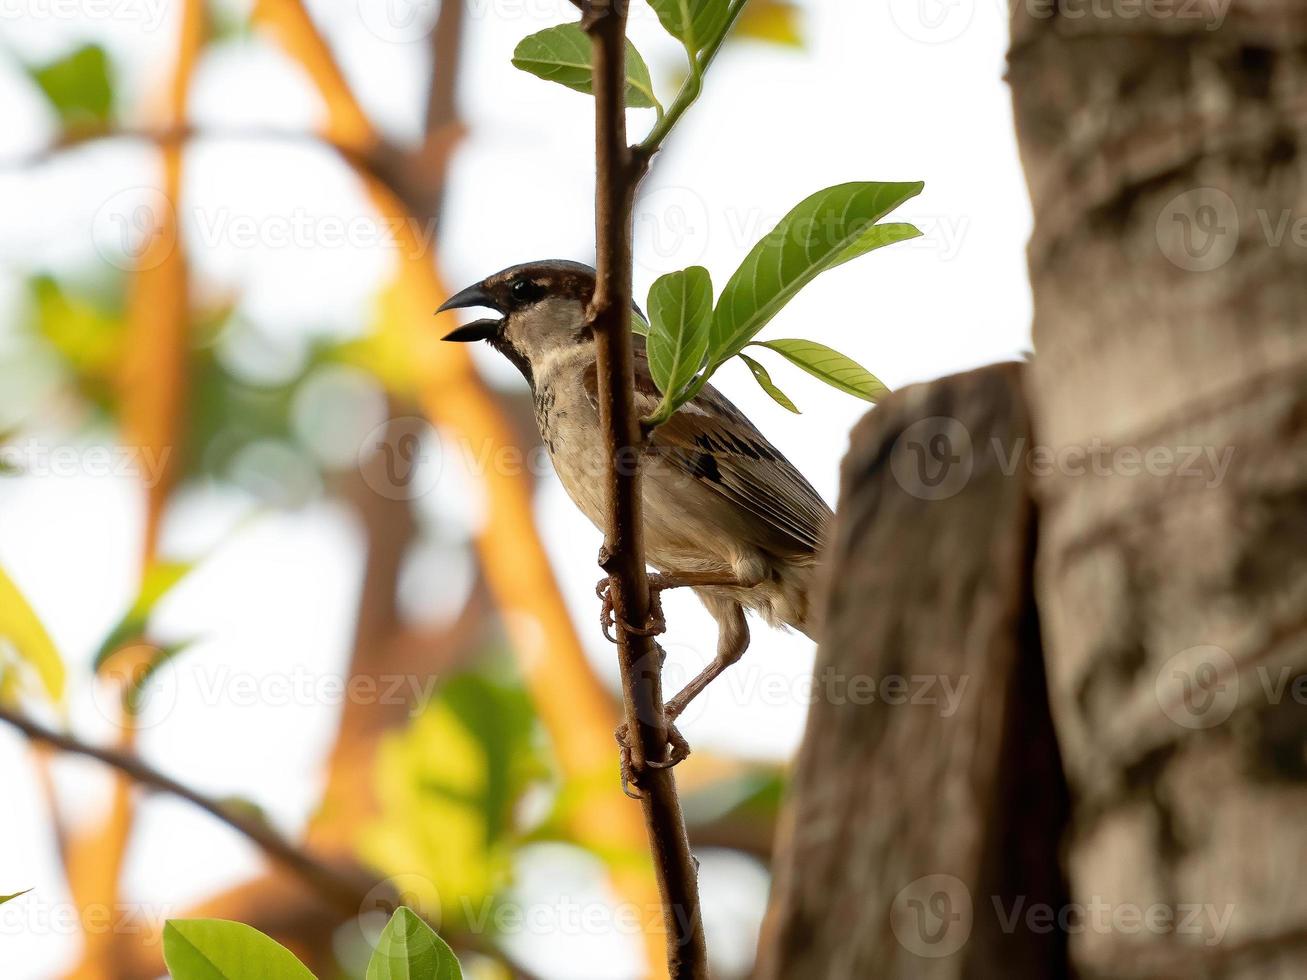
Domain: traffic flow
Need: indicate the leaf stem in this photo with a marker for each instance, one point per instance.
(642, 153)
(692, 88)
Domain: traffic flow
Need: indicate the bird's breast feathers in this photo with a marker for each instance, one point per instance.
(708, 469)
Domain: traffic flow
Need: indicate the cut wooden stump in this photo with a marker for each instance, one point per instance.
(921, 838)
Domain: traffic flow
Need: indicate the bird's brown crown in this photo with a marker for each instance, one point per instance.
(522, 285)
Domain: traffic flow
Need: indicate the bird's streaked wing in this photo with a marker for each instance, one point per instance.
(712, 442)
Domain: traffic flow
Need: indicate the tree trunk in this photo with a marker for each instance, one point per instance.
(1165, 160)
(928, 799)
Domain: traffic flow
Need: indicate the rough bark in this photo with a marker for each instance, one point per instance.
(1166, 167)
(918, 819)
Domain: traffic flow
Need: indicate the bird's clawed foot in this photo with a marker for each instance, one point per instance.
(656, 624)
(675, 752)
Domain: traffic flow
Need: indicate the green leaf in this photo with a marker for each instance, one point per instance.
(564, 54)
(877, 236)
(771, 21)
(227, 24)
(410, 950)
(159, 579)
(214, 949)
(83, 330)
(10, 898)
(764, 380)
(821, 232)
(680, 313)
(77, 85)
(20, 626)
(449, 790)
(830, 366)
(692, 22)
(639, 325)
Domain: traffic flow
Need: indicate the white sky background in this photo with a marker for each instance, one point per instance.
(906, 90)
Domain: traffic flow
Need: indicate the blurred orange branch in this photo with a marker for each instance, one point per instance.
(288, 21)
(158, 309)
(153, 393)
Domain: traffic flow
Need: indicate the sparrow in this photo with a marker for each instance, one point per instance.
(726, 514)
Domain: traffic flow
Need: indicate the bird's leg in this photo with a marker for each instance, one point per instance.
(658, 584)
(626, 761)
(603, 589)
(607, 619)
(676, 750)
(732, 641)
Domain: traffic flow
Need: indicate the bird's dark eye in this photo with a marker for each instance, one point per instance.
(525, 291)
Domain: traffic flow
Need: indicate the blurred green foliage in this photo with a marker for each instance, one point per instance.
(773, 21)
(450, 789)
(28, 657)
(85, 330)
(78, 85)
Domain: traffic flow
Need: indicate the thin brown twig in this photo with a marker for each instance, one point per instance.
(618, 175)
(351, 891)
(408, 174)
(164, 136)
(394, 166)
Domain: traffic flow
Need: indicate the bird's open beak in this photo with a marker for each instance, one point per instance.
(474, 295)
